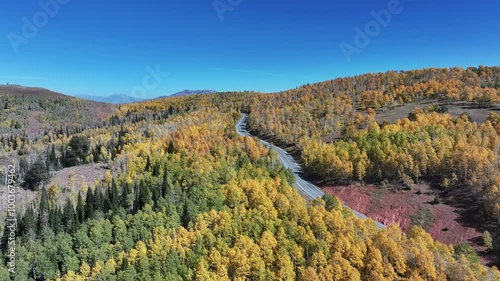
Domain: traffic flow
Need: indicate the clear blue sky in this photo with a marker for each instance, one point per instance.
(104, 47)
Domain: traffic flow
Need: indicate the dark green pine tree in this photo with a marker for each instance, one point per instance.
(124, 198)
(79, 147)
(166, 190)
(171, 148)
(47, 159)
(147, 197)
(156, 194)
(113, 194)
(137, 198)
(4, 241)
(28, 223)
(100, 200)
(185, 217)
(89, 204)
(105, 199)
(51, 218)
(36, 175)
(113, 154)
(96, 152)
(80, 209)
(53, 158)
(13, 142)
(147, 168)
(69, 217)
(125, 265)
(56, 219)
(156, 169)
(19, 220)
(144, 197)
(43, 211)
(63, 158)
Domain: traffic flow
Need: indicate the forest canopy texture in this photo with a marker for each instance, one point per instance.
(185, 198)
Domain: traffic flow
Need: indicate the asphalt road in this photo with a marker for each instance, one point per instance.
(307, 188)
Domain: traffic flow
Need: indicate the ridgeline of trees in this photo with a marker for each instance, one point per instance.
(429, 144)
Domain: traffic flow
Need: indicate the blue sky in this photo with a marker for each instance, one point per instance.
(104, 47)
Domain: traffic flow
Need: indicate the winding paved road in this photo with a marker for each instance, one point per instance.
(307, 188)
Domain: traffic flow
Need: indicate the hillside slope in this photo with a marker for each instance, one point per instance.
(186, 198)
(37, 111)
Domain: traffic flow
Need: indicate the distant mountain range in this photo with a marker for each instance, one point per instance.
(123, 98)
(193, 92)
(114, 99)
(189, 93)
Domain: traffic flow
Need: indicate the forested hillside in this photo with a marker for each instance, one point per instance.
(185, 198)
(336, 130)
(427, 143)
(329, 107)
(190, 200)
(35, 112)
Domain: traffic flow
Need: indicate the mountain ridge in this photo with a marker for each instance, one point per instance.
(188, 92)
(124, 98)
(113, 99)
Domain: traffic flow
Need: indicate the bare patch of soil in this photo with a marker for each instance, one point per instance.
(102, 110)
(455, 220)
(69, 181)
(399, 112)
(74, 179)
(35, 127)
(478, 113)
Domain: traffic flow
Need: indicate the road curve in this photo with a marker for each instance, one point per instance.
(307, 188)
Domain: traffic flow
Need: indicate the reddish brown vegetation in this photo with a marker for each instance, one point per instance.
(451, 224)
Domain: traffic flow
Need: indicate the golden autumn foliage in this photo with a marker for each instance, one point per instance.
(185, 198)
(265, 230)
